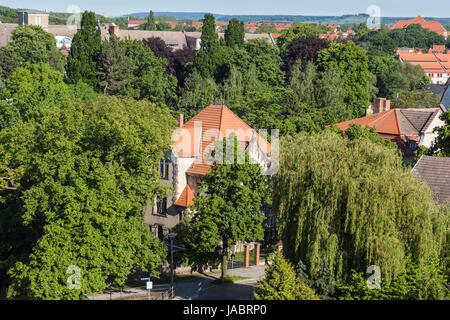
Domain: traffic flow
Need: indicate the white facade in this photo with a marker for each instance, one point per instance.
(427, 139)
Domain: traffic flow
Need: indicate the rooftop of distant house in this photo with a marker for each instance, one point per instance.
(434, 26)
(435, 171)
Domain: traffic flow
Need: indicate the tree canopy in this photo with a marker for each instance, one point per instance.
(80, 173)
(228, 207)
(84, 52)
(336, 200)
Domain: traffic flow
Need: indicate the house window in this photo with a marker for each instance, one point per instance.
(164, 168)
(412, 145)
(160, 232)
(161, 206)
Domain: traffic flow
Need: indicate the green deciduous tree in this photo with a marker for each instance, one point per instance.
(149, 78)
(197, 94)
(228, 207)
(30, 88)
(415, 283)
(299, 30)
(33, 45)
(352, 62)
(281, 283)
(84, 52)
(353, 204)
(415, 99)
(88, 170)
(234, 34)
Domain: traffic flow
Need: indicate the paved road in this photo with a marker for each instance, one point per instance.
(187, 289)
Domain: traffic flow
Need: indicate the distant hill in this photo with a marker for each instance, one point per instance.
(348, 19)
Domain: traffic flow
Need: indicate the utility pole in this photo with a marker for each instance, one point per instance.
(171, 237)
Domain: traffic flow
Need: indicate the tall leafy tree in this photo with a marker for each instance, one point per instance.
(336, 200)
(87, 171)
(149, 77)
(304, 30)
(211, 60)
(330, 95)
(114, 66)
(197, 93)
(151, 24)
(84, 52)
(33, 45)
(267, 60)
(352, 62)
(228, 207)
(235, 32)
(303, 49)
(303, 83)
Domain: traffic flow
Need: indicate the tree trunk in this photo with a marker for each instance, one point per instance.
(224, 258)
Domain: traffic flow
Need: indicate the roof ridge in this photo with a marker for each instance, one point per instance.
(220, 119)
(386, 113)
(412, 124)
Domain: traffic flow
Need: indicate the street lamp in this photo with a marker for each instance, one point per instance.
(171, 237)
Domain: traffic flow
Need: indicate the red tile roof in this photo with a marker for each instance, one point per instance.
(186, 198)
(427, 24)
(399, 125)
(199, 134)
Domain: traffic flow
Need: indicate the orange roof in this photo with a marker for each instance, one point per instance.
(398, 125)
(186, 198)
(137, 21)
(275, 35)
(427, 24)
(385, 122)
(211, 124)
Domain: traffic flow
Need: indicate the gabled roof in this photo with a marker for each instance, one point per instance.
(211, 124)
(427, 24)
(186, 198)
(399, 125)
(408, 122)
(435, 171)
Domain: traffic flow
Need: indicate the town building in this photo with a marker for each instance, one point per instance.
(135, 23)
(434, 26)
(33, 17)
(184, 166)
(435, 62)
(435, 171)
(408, 128)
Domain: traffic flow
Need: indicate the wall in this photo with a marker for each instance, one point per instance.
(430, 136)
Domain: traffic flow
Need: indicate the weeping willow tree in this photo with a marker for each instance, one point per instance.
(353, 205)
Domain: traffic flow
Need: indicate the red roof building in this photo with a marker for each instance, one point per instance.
(434, 26)
(195, 140)
(409, 128)
(435, 63)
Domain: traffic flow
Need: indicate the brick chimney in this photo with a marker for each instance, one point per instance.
(180, 120)
(381, 105)
(113, 29)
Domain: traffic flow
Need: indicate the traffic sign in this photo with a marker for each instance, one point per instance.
(149, 285)
(143, 279)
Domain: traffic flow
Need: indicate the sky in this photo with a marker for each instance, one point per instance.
(389, 8)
